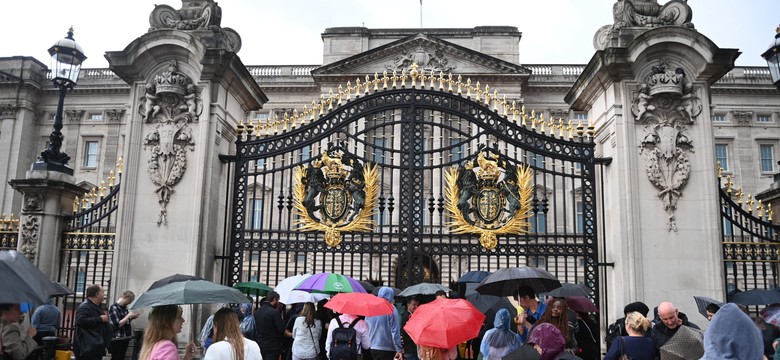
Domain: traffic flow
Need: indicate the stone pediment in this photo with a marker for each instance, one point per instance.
(428, 52)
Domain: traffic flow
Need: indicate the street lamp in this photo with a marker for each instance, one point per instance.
(772, 57)
(66, 59)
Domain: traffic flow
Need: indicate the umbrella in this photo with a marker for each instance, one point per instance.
(359, 304)
(61, 289)
(189, 292)
(23, 281)
(771, 314)
(703, 301)
(330, 283)
(253, 288)
(568, 289)
(756, 297)
(687, 343)
(423, 289)
(367, 285)
(581, 304)
(173, 278)
(444, 323)
(525, 352)
(505, 282)
(287, 294)
(473, 277)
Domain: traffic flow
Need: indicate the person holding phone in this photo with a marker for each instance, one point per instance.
(120, 319)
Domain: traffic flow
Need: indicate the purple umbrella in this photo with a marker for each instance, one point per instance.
(330, 283)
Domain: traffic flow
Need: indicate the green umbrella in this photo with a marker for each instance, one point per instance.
(253, 288)
(189, 292)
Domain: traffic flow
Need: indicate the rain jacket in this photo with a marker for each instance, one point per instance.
(385, 330)
(248, 323)
(732, 335)
(550, 339)
(499, 340)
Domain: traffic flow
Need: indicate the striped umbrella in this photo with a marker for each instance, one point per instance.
(330, 283)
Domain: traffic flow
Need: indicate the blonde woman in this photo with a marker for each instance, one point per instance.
(636, 345)
(164, 323)
(229, 342)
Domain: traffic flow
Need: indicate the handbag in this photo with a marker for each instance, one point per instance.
(623, 352)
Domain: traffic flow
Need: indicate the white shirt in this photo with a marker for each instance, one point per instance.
(363, 337)
(221, 350)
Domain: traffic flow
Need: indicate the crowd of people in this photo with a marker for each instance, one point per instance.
(273, 331)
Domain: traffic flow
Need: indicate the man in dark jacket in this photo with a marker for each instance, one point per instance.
(410, 348)
(93, 332)
(269, 327)
(671, 321)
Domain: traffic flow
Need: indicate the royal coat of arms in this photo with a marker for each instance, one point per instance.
(334, 194)
(489, 197)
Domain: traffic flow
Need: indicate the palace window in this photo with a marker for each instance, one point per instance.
(763, 119)
(722, 155)
(767, 153)
(580, 219)
(538, 223)
(257, 214)
(91, 149)
(718, 118)
(581, 116)
(95, 117)
(379, 152)
(457, 152)
(306, 153)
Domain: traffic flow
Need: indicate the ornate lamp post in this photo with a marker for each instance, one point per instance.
(66, 59)
(772, 57)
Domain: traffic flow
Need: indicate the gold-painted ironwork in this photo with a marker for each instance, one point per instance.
(501, 207)
(339, 191)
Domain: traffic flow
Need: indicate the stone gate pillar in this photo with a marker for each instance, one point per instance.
(647, 92)
(189, 91)
(47, 199)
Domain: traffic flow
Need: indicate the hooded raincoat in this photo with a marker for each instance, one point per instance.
(499, 340)
(385, 330)
(732, 335)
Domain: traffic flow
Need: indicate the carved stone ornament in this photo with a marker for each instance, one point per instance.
(33, 202)
(489, 197)
(8, 111)
(29, 233)
(335, 194)
(425, 60)
(743, 116)
(170, 103)
(643, 14)
(195, 15)
(74, 116)
(666, 104)
(114, 115)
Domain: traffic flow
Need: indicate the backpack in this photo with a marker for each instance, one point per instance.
(343, 345)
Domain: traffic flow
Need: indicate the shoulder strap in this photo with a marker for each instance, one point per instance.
(623, 346)
(352, 325)
(338, 320)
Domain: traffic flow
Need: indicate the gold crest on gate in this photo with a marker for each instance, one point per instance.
(488, 197)
(334, 194)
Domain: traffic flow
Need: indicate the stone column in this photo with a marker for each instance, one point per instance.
(47, 199)
(647, 93)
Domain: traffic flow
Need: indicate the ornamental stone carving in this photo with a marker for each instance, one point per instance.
(33, 202)
(666, 105)
(643, 14)
(744, 117)
(114, 115)
(170, 103)
(29, 233)
(74, 116)
(196, 15)
(424, 59)
(8, 111)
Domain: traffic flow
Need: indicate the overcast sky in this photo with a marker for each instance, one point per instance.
(288, 31)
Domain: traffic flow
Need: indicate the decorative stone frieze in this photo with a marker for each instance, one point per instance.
(666, 105)
(8, 111)
(425, 60)
(29, 241)
(744, 117)
(33, 202)
(642, 15)
(196, 15)
(170, 103)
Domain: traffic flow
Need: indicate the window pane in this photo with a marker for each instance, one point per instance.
(718, 118)
(763, 118)
(580, 222)
(90, 154)
(378, 155)
(96, 117)
(722, 155)
(257, 214)
(306, 153)
(767, 158)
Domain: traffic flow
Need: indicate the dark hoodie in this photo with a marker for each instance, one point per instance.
(732, 335)
(385, 330)
(662, 334)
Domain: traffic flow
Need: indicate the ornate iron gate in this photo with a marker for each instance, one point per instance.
(751, 246)
(87, 250)
(414, 134)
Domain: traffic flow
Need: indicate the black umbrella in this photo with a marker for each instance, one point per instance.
(568, 289)
(22, 281)
(189, 292)
(756, 297)
(505, 282)
(473, 277)
(525, 352)
(423, 289)
(368, 286)
(61, 289)
(703, 301)
(172, 279)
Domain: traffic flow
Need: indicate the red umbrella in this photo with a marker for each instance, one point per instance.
(359, 304)
(444, 323)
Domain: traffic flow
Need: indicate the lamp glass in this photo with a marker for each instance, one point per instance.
(65, 67)
(773, 61)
